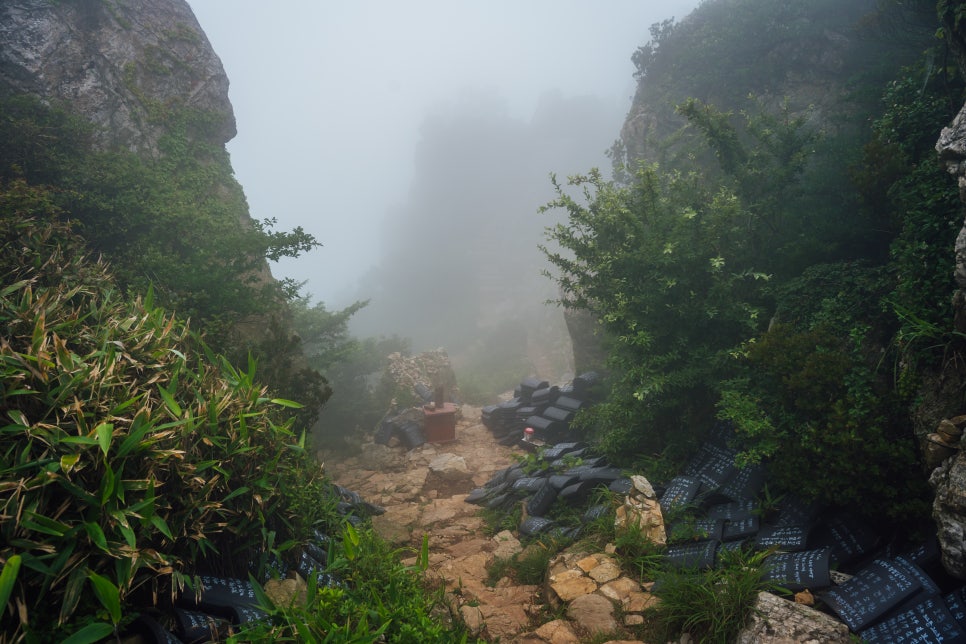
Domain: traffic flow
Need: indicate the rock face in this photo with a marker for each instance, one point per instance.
(949, 512)
(949, 480)
(121, 65)
(952, 154)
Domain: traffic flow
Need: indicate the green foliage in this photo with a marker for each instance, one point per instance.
(130, 450)
(712, 606)
(664, 265)
(830, 427)
(381, 600)
(527, 567)
(176, 222)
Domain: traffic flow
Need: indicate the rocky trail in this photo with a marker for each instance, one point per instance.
(423, 491)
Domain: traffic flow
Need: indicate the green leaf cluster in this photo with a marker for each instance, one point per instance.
(788, 267)
(131, 453)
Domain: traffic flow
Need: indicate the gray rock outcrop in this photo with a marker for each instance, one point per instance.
(949, 513)
(121, 65)
(949, 480)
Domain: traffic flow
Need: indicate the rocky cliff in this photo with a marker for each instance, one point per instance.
(123, 64)
(949, 480)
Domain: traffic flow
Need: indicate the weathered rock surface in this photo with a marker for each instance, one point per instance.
(778, 621)
(949, 480)
(642, 509)
(115, 63)
(949, 512)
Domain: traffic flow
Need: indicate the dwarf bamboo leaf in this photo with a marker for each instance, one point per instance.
(90, 634)
(104, 432)
(44, 525)
(68, 461)
(139, 428)
(8, 577)
(161, 525)
(170, 402)
(108, 594)
(96, 534)
(287, 403)
(234, 493)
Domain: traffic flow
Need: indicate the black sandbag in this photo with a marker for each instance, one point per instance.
(530, 385)
(542, 499)
(544, 426)
(585, 381)
(316, 552)
(558, 414)
(310, 568)
(746, 483)
(696, 530)
(696, 556)
(799, 570)
(217, 595)
(151, 631)
(412, 435)
(194, 626)
(734, 511)
(528, 484)
(621, 486)
(595, 512)
(928, 621)
(849, 537)
(736, 529)
(384, 432)
(679, 493)
(602, 474)
(577, 491)
(569, 403)
(546, 396)
(560, 481)
(870, 594)
(511, 438)
(534, 525)
(789, 538)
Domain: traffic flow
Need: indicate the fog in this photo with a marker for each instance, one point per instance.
(415, 139)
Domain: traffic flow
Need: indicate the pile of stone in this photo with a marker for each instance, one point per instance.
(422, 374)
(547, 409)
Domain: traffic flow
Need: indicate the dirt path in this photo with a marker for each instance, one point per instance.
(423, 491)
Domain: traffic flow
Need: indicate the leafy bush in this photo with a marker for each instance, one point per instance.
(177, 223)
(130, 450)
(380, 600)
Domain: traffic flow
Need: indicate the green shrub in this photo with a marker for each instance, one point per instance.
(829, 426)
(132, 455)
(380, 600)
(712, 606)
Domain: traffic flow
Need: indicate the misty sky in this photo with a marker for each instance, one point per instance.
(330, 98)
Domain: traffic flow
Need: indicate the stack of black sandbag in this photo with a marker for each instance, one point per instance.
(548, 409)
(564, 472)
